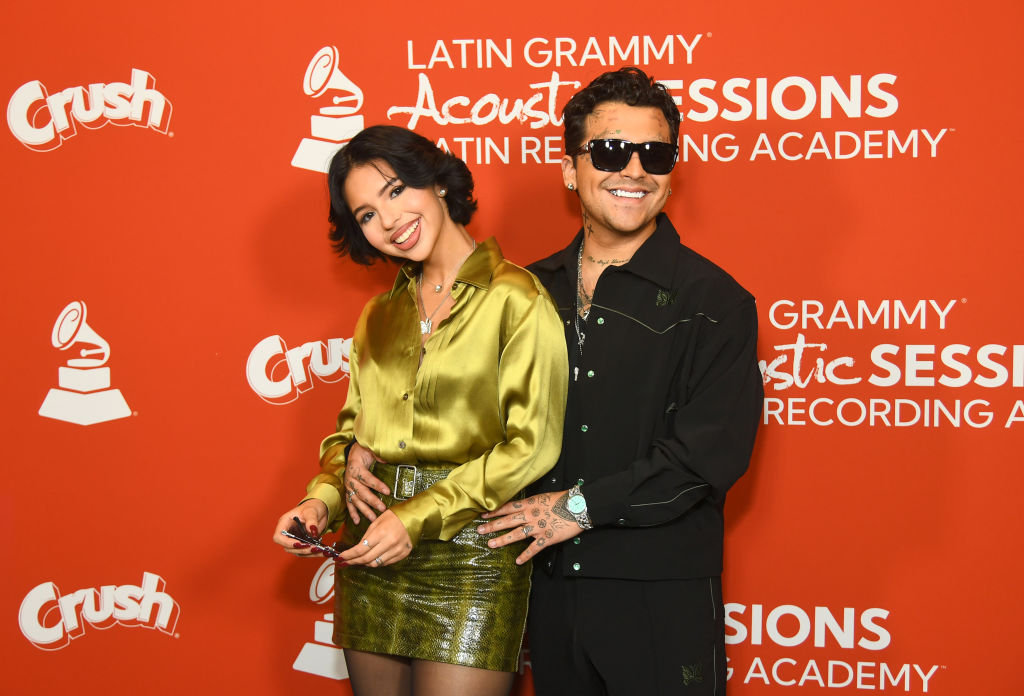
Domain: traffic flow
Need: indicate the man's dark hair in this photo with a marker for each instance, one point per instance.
(629, 86)
(416, 161)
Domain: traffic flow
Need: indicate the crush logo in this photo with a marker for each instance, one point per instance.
(84, 395)
(336, 123)
(50, 620)
(320, 656)
(278, 374)
(43, 121)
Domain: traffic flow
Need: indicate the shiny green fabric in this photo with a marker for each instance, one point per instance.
(481, 417)
(453, 601)
(488, 397)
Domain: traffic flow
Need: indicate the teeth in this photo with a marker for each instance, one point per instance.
(628, 194)
(408, 233)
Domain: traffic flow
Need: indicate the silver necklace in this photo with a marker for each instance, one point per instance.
(427, 325)
(581, 298)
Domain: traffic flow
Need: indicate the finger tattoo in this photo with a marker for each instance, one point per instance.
(542, 523)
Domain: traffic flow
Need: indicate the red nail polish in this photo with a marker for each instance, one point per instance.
(313, 529)
(299, 545)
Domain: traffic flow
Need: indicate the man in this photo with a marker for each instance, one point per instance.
(664, 403)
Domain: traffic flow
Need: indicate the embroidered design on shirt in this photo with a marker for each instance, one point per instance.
(665, 298)
(693, 673)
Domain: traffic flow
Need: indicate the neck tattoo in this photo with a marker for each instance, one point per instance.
(605, 262)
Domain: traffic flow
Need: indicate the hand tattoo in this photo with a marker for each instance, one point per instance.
(560, 509)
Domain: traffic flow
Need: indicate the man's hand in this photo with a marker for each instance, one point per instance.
(360, 484)
(543, 517)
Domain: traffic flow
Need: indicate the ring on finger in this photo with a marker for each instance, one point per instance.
(351, 494)
(366, 543)
(380, 561)
(526, 531)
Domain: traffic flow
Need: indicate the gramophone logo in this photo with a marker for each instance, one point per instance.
(334, 125)
(84, 396)
(320, 656)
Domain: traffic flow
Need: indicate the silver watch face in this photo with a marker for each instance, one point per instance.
(576, 504)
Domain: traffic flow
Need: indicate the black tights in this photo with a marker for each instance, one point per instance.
(373, 674)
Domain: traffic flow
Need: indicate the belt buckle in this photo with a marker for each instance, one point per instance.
(404, 487)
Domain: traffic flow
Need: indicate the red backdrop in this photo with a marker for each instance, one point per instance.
(853, 165)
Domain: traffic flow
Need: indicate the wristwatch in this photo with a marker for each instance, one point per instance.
(576, 504)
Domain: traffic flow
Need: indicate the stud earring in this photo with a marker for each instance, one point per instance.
(571, 187)
(670, 190)
(442, 193)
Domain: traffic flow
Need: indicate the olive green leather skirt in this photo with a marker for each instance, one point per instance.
(456, 601)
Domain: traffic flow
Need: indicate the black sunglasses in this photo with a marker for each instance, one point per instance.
(612, 155)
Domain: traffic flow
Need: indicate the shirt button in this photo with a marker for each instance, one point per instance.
(576, 540)
(590, 373)
(554, 480)
(579, 482)
(401, 444)
(584, 428)
(575, 566)
(621, 522)
(600, 320)
(405, 396)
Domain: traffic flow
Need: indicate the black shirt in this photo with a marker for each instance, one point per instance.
(664, 403)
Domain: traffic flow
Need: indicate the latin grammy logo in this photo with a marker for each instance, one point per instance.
(320, 656)
(334, 125)
(84, 396)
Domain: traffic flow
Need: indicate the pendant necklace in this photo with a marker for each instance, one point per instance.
(427, 325)
(582, 299)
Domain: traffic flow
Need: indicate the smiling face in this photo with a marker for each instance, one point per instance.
(620, 203)
(396, 219)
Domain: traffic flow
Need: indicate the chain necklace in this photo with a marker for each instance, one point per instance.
(582, 300)
(427, 325)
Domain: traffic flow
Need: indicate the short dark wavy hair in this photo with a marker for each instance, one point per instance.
(416, 161)
(628, 85)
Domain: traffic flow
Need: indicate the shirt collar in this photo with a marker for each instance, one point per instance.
(654, 260)
(476, 270)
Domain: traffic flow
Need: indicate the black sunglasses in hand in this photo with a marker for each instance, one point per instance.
(612, 155)
(298, 532)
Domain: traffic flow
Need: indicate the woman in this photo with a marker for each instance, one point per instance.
(457, 388)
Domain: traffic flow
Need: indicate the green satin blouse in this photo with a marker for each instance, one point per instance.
(488, 397)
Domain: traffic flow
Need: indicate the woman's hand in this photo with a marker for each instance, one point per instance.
(313, 515)
(386, 541)
(360, 484)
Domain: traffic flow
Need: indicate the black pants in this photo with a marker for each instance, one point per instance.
(597, 637)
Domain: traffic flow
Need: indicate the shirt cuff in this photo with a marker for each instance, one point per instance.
(420, 516)
(331, 497)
